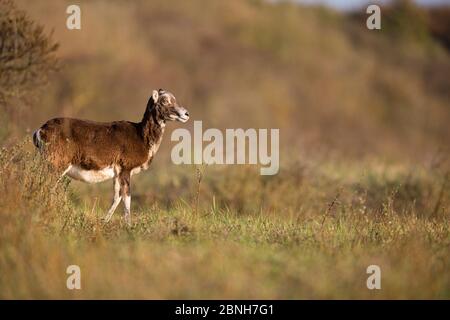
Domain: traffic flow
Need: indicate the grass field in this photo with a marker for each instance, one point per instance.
(319, 249)
(364, 155)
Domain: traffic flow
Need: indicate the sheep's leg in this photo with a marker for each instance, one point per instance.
(126, 194)
(62, 175)
(65, 171)
(116, 199)
(127, 202)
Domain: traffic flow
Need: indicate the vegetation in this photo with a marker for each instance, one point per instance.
(26, 61)
(363, 118)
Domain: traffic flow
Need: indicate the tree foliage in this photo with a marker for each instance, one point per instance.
(27, 54)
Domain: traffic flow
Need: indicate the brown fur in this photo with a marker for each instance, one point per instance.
(95, 145)
(123, 145)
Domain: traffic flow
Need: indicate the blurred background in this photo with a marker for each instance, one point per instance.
(316, 73)
(364, 135)
(338, 92)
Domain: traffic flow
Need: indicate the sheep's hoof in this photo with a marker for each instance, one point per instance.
(106, 219)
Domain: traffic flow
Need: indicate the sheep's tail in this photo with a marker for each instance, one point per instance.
(37, 139)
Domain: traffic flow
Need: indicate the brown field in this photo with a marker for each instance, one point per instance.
(364, 175)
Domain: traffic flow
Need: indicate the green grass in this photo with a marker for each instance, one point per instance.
(175, 255)
(175, 251)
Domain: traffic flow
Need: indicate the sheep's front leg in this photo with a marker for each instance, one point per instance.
(126, 194)
(116, 200)
(63, 174)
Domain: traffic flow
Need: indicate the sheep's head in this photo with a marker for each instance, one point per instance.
(167, 106)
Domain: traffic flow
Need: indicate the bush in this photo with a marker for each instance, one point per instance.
(31, 191)
(26, 53)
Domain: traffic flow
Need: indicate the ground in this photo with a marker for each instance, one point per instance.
(184, 250)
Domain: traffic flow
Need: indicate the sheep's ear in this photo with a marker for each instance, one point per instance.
(155, 96)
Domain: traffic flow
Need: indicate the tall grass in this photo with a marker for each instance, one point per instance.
(363, 118)
(319, 248)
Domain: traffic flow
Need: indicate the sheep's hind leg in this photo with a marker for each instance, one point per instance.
(116, 199)
(126, 194)
(127, 202)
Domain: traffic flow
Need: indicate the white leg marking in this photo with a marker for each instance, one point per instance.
(67, 170)
(63, 174)
(116, 199)
(127, 202)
